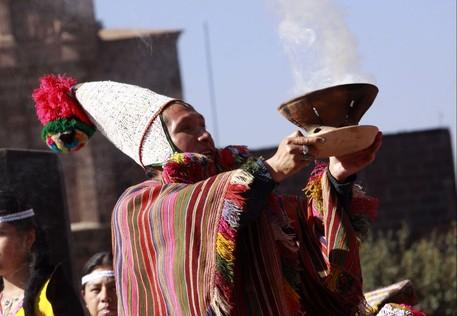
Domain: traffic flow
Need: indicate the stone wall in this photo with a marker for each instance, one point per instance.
(87, 239)
(145, 58)
(413, 177)
(57, 36)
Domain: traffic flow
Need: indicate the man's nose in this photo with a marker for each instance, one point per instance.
(205, 136)
(104, 294)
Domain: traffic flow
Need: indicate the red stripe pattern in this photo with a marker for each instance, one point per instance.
(183, 249)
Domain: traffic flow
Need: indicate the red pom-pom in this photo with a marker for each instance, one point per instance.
(53, 100)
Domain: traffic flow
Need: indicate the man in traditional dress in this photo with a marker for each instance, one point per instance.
(206, 235)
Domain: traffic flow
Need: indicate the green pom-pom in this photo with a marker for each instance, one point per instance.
(66, 135)
(62, 126)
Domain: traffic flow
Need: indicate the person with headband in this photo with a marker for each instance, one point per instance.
(98, 289)
(207, 235)
(30, 285)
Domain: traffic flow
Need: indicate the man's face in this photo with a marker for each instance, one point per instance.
(187, 130)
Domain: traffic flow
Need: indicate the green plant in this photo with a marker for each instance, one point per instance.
(430, 263)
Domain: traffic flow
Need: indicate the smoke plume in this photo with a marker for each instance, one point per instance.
(321, 49)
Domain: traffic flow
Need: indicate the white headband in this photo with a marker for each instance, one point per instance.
(17, 216)
(97, 275)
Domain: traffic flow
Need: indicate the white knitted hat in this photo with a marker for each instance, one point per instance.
(128, 116)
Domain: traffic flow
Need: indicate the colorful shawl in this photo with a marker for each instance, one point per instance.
(207, 241)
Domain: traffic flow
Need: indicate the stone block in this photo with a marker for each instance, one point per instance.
(35, 176)
(87, 239)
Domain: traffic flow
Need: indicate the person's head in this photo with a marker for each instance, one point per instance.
(17, 235)
(98, 288)
(23, 247)
(187, 129)
(146, 126)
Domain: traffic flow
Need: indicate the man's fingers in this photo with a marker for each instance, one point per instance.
(302, 147)
(295, 134)
(304, 152)
(302, 140)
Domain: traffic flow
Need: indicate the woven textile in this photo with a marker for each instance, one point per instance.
(123, 113)
(226, 245)
(399, 310)
(400, 292)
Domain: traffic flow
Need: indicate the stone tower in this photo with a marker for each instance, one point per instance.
(38, 37)
(46, 32)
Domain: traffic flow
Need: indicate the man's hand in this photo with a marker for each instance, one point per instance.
(289, 158)
(345, 166)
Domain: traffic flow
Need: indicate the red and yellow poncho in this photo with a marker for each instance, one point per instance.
(205, 241)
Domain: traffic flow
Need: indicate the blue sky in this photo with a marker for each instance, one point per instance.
(407, 48)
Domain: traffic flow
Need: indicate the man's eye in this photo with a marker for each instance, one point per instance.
(95, 290)
(187, 128)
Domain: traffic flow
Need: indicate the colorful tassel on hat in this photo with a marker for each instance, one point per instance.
(66, 127)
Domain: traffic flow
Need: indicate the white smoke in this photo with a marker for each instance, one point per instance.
(321, 49)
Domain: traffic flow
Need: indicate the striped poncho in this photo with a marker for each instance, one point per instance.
(204, 241)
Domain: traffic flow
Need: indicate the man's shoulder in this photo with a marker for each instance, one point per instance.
(140, 188)
(151, 183)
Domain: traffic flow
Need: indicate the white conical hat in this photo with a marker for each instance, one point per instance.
(128, 116)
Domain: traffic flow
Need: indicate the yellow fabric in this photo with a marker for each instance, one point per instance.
(42, 304)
